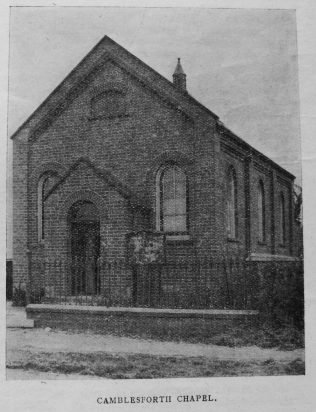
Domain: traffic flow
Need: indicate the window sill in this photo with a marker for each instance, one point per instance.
(40, 244)
(233, 240)
(178, 238)
(267, 257)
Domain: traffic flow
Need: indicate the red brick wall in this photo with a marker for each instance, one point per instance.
(235, 162)
(286, 189)
(20, 212)
(274, 182)
(132, 148)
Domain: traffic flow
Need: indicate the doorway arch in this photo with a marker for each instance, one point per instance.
(84, 222)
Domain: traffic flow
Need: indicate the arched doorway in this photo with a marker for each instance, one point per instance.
(84, 222)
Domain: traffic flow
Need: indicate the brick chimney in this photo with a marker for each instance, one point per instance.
(179, 77)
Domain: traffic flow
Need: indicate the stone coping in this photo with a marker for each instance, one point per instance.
(266, 257)
(150, 312)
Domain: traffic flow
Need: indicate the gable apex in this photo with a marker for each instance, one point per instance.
(107, 176)
(105, 49)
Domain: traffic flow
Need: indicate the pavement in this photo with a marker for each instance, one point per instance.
(16, 317)
(22, 336)
(22, 339)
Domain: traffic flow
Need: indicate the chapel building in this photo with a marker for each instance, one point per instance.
(118, 149)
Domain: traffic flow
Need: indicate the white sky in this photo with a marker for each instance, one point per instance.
(241, 64)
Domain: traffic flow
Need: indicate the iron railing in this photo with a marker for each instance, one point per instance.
(210, 283)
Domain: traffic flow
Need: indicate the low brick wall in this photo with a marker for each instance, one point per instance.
(163, 324)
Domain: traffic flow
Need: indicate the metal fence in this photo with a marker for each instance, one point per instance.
(211, 283)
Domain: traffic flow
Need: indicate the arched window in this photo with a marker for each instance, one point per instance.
(45, 183)
(172, 200)
(282, 219)
(110, 103)
(231, 206)
(261, 213)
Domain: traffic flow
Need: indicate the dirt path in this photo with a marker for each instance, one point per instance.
(40, 340)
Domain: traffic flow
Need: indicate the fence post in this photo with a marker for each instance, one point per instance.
(226, 282)
(29, 283)
(109, 300)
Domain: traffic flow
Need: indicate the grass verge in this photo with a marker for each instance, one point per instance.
(266, 336)
(147, 367)
(263, 336)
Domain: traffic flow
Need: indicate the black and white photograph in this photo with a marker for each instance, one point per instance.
(154, 219)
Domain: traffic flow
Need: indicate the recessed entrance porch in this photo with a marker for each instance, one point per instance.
(84, 222)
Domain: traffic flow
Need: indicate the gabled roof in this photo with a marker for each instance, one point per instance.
(228, 134)
(108, 177)
(108, 49)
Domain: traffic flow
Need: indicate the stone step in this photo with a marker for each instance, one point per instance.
(16, 317)
(18, 323)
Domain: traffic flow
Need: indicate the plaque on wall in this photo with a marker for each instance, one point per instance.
(146, 247)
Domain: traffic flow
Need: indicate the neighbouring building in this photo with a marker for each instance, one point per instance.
(117, 149)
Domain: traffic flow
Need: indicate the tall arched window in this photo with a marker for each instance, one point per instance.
(261, 213)
(282, 218)
(172, 200)
(231, 205)
(45, 183)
